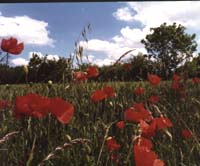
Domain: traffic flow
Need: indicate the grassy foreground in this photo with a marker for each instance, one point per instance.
(82, 141)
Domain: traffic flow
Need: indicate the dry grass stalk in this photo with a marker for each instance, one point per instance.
(61, 148)
(8, 136)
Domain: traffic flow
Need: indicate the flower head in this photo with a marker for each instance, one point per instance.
(80, 76)
(61, 109)
(154, 79)
(186, 134)
(112, 145)
(92, 71)
(11, 46)
(31, 105)
(109, 91)
(138, 91)
(98, 95)
(153, 99)
(120, 124)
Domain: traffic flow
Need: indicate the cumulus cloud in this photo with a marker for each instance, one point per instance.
(26, 29)
(103, 62)
(109, 48)
(19, 62)
(124, 14)
(152, 14)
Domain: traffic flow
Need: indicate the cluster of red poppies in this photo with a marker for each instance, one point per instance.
(38, 106)
(148, 125)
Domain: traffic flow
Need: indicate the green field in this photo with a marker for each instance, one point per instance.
(82, 142)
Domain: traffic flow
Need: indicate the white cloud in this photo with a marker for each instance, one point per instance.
(152, 14)
(30, 55)
(19, 62)
(103, 62)
(88, 58)
(26, 29)
(53, 57)
(112, 49)
(124, 14)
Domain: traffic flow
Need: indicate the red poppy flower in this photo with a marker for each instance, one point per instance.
(143, 142)
(153, 99)
(4, 104)
(140, 152)
(112, 145)
(92, 71)
(162, 123)
(146, 113)
(147, 130)
(61, 109)
(154, 79)
(98, 95)
(109, 91)
(139, 106)
(176, 77)
(31, 105)
(80, 76)
(120, 124)
(138, 91)
(132, 115)
(127, 66)
(196, 80)
(186, 134)
(11, 46)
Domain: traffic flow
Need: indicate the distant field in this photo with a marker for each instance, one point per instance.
(95, 121)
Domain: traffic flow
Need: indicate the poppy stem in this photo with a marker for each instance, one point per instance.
(2, 58)
(104, 140)
(7, 55)
(131, 147)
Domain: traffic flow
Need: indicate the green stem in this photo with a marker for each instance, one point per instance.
(130, 149)
(7, 56)
(104, 140)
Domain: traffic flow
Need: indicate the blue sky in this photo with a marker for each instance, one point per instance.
(52, 28)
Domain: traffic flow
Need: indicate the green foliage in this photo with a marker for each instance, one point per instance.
(10, 75)
(42, 69)
(170, 45)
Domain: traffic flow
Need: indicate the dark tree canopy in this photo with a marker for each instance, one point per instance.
(170, 45)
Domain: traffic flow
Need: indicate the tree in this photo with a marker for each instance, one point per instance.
(42, 69)
(170, 46)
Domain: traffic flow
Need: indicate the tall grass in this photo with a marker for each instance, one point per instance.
(82, 142)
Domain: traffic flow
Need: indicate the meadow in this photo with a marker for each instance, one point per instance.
(100, 131)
